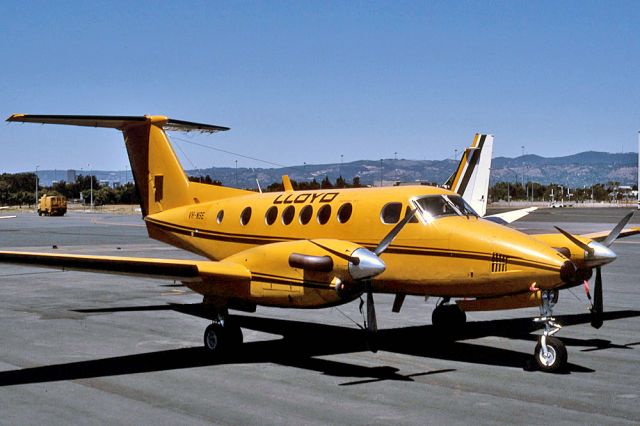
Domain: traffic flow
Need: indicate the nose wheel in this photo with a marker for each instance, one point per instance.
(550, 354)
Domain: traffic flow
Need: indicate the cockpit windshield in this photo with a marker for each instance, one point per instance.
(434, 206)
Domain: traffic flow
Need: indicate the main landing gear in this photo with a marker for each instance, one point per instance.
(550, 353)
(223, 336)
(448, 317)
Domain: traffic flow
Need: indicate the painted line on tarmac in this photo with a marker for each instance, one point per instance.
(104, 222)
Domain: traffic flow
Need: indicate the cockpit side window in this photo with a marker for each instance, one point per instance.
(434, 206)
(462, 205)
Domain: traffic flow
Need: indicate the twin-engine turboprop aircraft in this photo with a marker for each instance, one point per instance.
(313, 249)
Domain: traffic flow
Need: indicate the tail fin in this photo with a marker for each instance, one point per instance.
(160, 179)
(471, 178)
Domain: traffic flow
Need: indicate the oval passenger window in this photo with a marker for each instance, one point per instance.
(344, 212)
(271, 215)
(305, 214)
(324, 214)
(288, 214)
(245, 217)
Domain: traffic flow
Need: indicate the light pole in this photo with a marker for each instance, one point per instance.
(381, 173)
(236, 173)
(523, 165)
(36, 203)
(91, 187)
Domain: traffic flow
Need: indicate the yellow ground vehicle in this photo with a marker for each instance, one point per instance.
(52, 205)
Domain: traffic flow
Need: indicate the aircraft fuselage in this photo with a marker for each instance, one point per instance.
(452, 255)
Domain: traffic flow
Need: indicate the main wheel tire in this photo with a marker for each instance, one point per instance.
(214, 338)
(448, 317)
(555, 360)
(221, 340)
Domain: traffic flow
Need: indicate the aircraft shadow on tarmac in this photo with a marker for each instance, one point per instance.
(302, 342)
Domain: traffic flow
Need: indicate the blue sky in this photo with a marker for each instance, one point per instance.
(307, 81)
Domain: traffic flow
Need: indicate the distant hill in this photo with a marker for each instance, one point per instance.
(585, 168)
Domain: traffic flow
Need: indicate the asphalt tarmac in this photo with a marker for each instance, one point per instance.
(87, 348)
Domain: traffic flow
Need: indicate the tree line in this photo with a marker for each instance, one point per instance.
(532, 191)
(17, 189)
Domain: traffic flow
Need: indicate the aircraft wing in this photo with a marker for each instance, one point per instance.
(170, 269)
(510, 216)
(600, 236)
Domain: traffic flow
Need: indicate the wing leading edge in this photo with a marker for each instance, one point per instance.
(117, 122)
(175, 270)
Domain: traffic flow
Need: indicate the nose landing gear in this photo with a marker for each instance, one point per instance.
(550, 353)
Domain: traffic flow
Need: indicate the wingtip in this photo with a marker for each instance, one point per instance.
(15, 117)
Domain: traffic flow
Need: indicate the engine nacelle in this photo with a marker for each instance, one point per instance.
(306, 273)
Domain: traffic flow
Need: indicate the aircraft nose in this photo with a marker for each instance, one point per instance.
(369, 265)
(601, 255)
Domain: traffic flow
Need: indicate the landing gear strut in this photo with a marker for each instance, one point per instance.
(223, 336)
(550, 353)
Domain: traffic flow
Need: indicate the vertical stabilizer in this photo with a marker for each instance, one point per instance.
(160, 179)
(471, 178)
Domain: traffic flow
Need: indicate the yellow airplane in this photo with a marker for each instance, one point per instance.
(314, 249)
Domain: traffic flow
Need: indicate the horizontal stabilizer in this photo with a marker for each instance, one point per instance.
(510, 216)
(117, 122)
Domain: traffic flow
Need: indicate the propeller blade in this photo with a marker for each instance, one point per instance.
(576, 241)
(386, 241)
(352, 259)
(616, 231)
(597, 309)
(372, 323)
